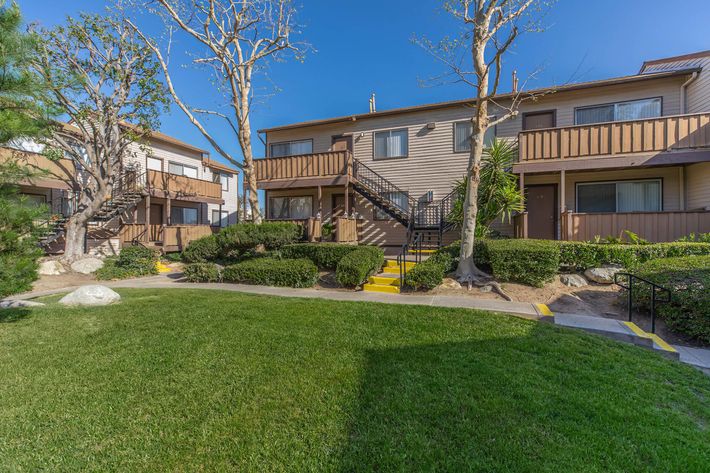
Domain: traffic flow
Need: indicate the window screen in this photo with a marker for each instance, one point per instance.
(391, 144)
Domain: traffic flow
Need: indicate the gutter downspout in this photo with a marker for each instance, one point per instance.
(683, 90)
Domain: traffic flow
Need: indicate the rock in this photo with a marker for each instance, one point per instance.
(87, 265)
(573, 280)
(603, 275)
(51, 268)
(449, 283)
(486, 288)
(10, 304)
(93, 294)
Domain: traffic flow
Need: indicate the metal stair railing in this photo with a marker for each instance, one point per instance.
(628, 284)
(415, 246)
(382, 188)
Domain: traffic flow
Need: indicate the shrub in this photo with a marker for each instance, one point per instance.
(202, 272)
(355, 267)
(201, 250)
(273, 272)
(532, 262)
(429, 273)
(18, 269)
(698, 237)
(324, 255)
(688, 278)
(246, 236)
(174, 257)
(133, 261)
(582, 255)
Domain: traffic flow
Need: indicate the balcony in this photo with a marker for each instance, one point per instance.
(654, 141)
(320, 169)
(163, 184)
(52, 174)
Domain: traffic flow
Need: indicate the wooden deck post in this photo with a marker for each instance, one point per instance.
(562, 205)
(166, 219)
(347, 199)
(320, 202)
(146, 235)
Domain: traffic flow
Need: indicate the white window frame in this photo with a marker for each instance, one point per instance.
(468, 122)
(290, 143)
(616, 107)
(152, 158)
(389, 132)
(182, 169)
(616, 194)
(221, 178)
(222, 220)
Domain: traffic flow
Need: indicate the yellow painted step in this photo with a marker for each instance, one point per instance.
(393, 264)
(381, 288)
(162, 268)
(424, 252)
(384, 280)
(392, 269)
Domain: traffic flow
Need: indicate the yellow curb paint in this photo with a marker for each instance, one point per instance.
(656, 339)
(162, 268)
(381, 288)
(544, 310)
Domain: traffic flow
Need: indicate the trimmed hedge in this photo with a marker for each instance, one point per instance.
(246, 236)
(324, 255)
(358, 265)
(688, 278)
(202, 250)
(582, 255)
(430, 273)
(532, 262)
(273, 272)
(133, 261)
(202, 272)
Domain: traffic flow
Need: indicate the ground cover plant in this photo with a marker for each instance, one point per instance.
(324, 255)
(688, 278)
(273, 272)
(192, 380)
(133, 261)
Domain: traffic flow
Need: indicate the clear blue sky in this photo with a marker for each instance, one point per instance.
(365, 46)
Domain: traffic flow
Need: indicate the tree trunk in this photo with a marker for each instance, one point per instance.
(248, 161)
(74, 237)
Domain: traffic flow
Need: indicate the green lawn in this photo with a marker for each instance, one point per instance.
(188, 380)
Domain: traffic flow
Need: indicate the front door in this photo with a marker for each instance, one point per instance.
(342, 143)
(156, 219)
(541, 203)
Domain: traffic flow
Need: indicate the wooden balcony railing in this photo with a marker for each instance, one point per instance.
(45, 168)
(183, 186)
(334, 163)
(608, 139)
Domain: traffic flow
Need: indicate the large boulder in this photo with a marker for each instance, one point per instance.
(13, 304)
(93, 294)
(87, 265)
(573, 280)
(449, 283)
(603, 275)
(51, 268)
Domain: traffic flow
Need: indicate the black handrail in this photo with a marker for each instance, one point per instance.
(416, 246)
(380, 186)
(654, 289)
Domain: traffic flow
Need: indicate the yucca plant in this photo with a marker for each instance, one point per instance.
(498, 193)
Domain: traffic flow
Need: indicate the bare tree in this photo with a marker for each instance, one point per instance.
(237, 39)
(106, 82)
(475, 57)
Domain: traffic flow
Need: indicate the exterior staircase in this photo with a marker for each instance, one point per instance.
(128, 191)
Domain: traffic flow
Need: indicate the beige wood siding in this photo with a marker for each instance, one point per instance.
(698, 186)
(698, 92)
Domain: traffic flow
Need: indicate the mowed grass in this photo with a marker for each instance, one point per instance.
(189, 380)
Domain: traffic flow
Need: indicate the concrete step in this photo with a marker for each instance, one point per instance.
(381, 288)
(393, 264)
(385, 280)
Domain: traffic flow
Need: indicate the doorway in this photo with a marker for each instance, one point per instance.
(338, 204)
(541, 204)
(156, 221)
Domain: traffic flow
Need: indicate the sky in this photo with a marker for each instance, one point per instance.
(365, 46)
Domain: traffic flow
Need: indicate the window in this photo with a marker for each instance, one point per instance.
(183, 216)
(182, 170)
(539, 120)
(391, 144)
(621, 196)
(291, 207)
(400, 199)
(620, 111)
(462, 136)
(220, 178)
(291, 148)
(155, 164)
(220, 220)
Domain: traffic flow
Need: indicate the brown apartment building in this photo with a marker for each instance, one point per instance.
(595, 158)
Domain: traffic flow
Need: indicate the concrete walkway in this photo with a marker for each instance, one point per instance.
(521, 309)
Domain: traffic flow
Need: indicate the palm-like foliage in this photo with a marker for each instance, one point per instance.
(498, 193)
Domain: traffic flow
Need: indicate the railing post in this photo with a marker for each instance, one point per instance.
(631, 296)
(653, 309)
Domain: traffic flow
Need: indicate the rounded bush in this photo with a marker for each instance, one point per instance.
(201, 272)
(324, 255)
(201, 250)
(355, 267)
(246, 236)
(532, 262)
(430, 273)
(273, 272)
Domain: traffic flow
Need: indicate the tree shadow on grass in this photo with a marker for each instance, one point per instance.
(13, 315)
(528, 403)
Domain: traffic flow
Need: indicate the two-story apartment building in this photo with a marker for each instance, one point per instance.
(595, 158)
(171, 193)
